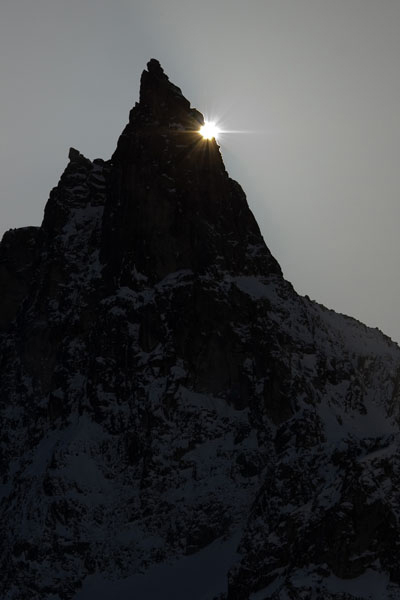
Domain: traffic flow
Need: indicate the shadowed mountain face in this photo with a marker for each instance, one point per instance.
(176, 422)
(186, 213)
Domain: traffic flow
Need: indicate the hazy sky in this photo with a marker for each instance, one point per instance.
(316, 82)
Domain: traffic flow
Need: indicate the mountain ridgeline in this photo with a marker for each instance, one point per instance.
(176, 421)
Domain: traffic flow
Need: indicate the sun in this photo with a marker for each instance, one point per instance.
(209, 130)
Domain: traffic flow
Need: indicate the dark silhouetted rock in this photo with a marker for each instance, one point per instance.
(173, 415)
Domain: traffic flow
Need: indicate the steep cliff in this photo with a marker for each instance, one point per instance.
(177, 422)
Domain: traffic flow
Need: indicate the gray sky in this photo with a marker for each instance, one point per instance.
(316, 82)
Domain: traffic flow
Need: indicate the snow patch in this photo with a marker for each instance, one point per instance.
(200, 576)
(251, 286)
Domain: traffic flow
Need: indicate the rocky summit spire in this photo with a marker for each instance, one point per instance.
(175, 421)
(162, 97)
(172, 204)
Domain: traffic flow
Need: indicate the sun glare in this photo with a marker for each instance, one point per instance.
(209, 130)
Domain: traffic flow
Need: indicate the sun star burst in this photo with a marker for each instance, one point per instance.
(209, 130)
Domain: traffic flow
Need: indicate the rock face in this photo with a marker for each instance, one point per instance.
(176, 422)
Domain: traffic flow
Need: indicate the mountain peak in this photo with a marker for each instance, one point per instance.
(172, 413)
(154, 67)
(163, 99)
(177, 207)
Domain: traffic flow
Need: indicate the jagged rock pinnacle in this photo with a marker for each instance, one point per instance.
(76, 157)
(160, 96)
(154, 67)
(177, 207)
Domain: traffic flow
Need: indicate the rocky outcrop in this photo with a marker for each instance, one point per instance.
(187, 213)
(169, 404)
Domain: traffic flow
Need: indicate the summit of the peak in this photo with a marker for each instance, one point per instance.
(154, 67)
(174, 205)
(161, 98)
